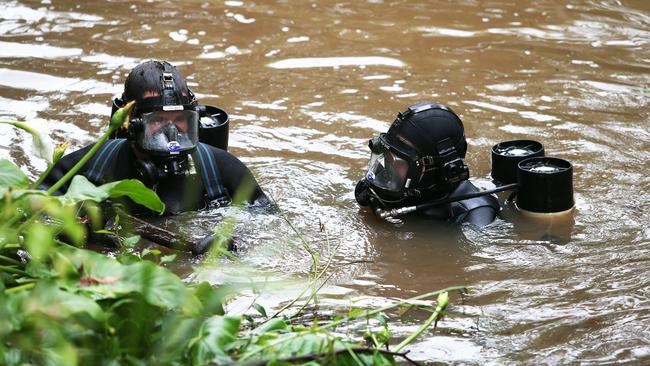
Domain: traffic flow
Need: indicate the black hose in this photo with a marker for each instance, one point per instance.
(442, 201)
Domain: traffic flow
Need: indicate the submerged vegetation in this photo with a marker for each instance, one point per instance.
(61, 304)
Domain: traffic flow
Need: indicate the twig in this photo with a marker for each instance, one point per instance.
(314, 263)
(316, 356)
(26, 286)
(365, 314)
(305, 243)
(355, 262)
(310, 297)
(442, 304)
(10, 260)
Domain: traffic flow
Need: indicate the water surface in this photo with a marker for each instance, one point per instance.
(308, 83)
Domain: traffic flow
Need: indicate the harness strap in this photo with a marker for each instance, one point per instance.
(100, 162)
(210, 173)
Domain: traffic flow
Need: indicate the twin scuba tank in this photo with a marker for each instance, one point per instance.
(545, 184)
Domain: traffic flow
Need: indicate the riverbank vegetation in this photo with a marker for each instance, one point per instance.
(61, 304)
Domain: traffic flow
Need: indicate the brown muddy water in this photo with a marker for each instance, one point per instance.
(307, 83)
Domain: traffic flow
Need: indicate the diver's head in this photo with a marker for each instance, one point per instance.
(420, 157)
(165, 121)
(164, 125)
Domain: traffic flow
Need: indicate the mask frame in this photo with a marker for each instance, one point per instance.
(157, 134)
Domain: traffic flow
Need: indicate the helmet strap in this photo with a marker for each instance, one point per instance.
(169, 87)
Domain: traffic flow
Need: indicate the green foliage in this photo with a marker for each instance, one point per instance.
(260, 309)
(216, 338)
(63, 305)
(11, 175)
(82, 189)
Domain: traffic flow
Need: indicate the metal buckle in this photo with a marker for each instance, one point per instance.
(168, 79)
(427, 160)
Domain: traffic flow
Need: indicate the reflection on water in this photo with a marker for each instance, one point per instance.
(49, 83)
(308, 83)
(300, 63)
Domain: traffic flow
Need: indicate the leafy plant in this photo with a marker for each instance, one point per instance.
(63, 305)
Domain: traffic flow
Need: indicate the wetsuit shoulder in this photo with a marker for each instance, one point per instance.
(111, 162)
(234, 174)
(478, 210)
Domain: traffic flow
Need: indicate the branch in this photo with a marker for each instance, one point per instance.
(365, 314)
(317, 356)
(442, 302)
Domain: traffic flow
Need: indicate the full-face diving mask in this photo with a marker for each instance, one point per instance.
(167, 132)
(397, 171)
(389, 167)
(166, 124)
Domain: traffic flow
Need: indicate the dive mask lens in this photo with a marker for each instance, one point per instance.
(386, 170)
(169, 132)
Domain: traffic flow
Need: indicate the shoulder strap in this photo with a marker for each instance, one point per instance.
(210, 174)
(99, 164)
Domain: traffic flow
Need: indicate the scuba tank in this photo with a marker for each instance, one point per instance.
(213, 126)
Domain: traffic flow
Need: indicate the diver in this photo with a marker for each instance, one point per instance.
(417, 166)
(161, 148)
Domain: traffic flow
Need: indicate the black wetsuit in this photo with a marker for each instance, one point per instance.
(479, 211)
(180, 194)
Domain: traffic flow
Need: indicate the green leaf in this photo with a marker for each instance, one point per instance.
(219, 335)
(11, 176)
(106, 278)
(128, 258)
(131, 241)
(38, 241)
(167, 258)
(138, 192)
(81, 189)
(260, 309)
(34, 194)
(382, 319)
(272, 325)
(356, 312)
(211, 298)
(54, 302)
(305, 344)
